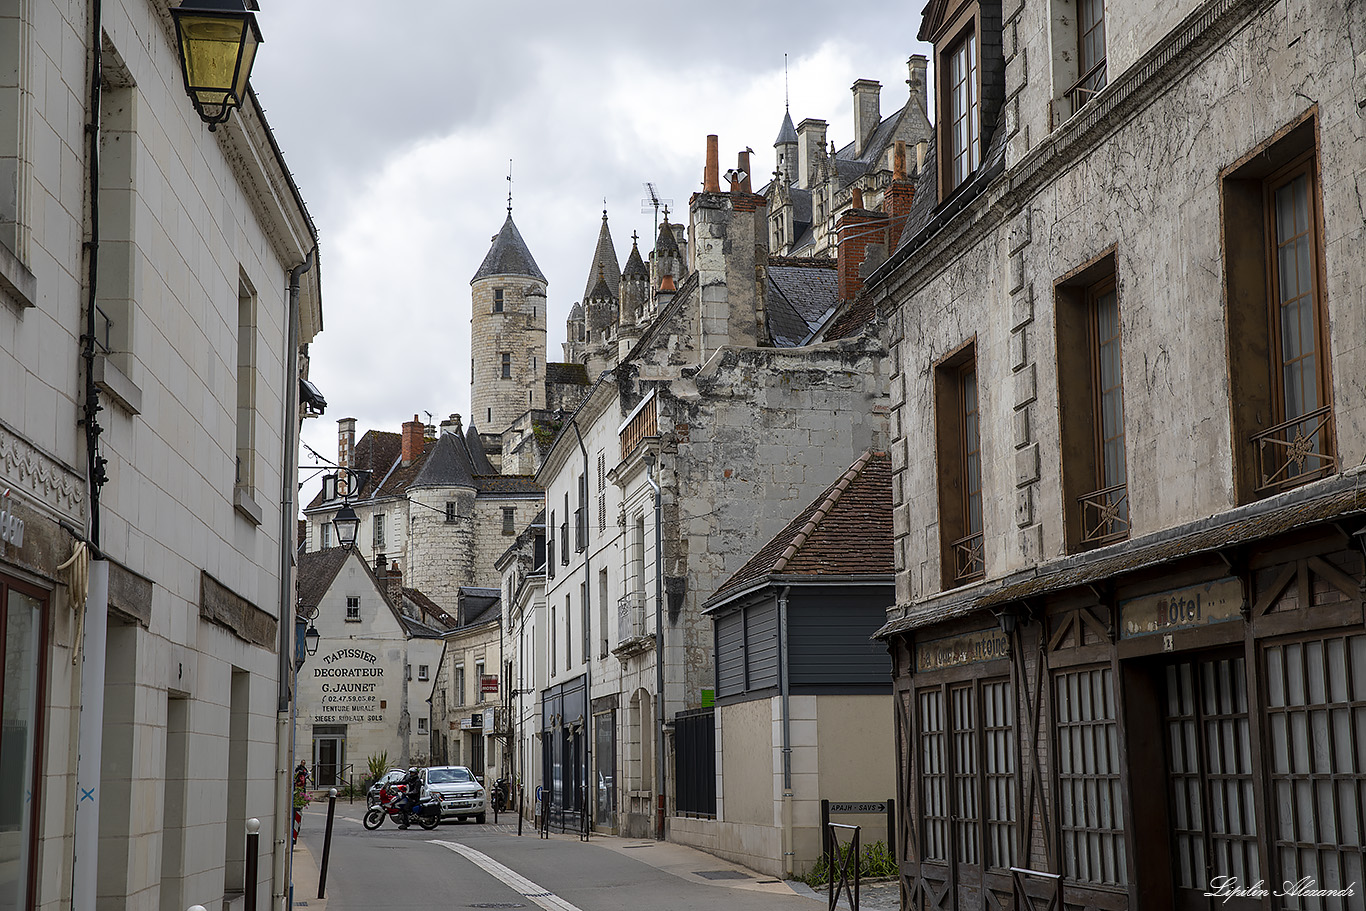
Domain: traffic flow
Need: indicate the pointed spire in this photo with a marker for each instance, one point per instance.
(508, 255)
(604, 264)
(635, 266)
(666, 243)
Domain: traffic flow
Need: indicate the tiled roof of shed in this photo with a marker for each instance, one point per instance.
(846, 531)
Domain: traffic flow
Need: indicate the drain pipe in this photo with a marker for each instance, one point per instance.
(659, 649)
(789, 852)
(282, 864)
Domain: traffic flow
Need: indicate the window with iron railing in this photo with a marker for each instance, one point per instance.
(959, 444)
(1090, 52)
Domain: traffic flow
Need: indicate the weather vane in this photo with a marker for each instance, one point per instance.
(509, 187)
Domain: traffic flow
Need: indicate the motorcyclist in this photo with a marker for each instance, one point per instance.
(412, 793)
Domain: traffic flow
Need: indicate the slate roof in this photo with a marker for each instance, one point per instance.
(508, 255)
(787, 132)
(446, 463)
(480, 605)
(800, 293)
(666, 243)
(846, 531)
(602, 291)
(635, 266)
(604, 264)
(428, 605)
(474, 447)
(566, 374)
(317, 569)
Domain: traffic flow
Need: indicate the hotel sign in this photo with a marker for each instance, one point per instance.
(1182, 608)
(955, 651)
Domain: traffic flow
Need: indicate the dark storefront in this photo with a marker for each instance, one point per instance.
(564, 755)
(1154, 728)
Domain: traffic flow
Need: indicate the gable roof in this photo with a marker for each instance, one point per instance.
(508, 255)
(801, 291)
(317, 569)
(846, 531)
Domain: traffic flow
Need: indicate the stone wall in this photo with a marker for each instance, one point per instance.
(519, 331)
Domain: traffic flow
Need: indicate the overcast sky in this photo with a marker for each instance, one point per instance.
(398, 120)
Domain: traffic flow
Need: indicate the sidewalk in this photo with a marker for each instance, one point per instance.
(306, 880)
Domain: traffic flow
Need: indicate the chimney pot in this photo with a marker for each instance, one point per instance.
(858, 198)
(745, 185)
(711, 175)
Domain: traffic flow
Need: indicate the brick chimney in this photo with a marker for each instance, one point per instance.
(867, 112)
(898, 197)
(414, 440)
(859, 230)
(743, 164)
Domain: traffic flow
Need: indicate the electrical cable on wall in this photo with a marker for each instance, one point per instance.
(78, 582)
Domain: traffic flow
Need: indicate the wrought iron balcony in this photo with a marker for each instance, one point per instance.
(969, 558)
(1295, 452)
(1105, 515)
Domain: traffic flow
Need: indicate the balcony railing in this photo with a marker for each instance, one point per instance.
(1105, 515)
(969, 558)
(1086, 88)
(632, 636)
(642, 425)
(1295, 452)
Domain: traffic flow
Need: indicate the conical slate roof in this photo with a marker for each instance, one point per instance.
(604, 264)
(602, 291)
(787, 133)
(508, 256)
(666, 243)
(635, 266)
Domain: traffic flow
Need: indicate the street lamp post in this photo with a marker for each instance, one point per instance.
(217, 40)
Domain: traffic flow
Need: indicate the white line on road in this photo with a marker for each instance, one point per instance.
(514, 880)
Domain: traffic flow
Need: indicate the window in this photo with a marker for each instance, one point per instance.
(479, 681)
(564, 534)
(497, 300)
(408, 671)
(460, 684)
(509, 520)
(967, 773)
(1277, 316)
(505, 368)
(581, 517)
(326, 530)
(1090, 51)
(422, 672)
(422, 725)
(118, 279)
(451, 513)
(379, 532)
(959, 446)
(246, 387)
(583, 620)
(1092, 400)
(554, 639)
(568, 632)
(963, 109)
(550, 546)
(1089, 805)
(23, 618)
(603, 643)
(352, 609)
(602, 492)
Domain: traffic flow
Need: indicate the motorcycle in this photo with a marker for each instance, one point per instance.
(392, 804)
(500, 794)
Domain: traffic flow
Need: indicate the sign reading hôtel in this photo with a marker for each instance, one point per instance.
(1182, 608)
(349, 690)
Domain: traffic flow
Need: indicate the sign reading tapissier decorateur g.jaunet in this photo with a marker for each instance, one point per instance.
(969, 648)
(1182, 608)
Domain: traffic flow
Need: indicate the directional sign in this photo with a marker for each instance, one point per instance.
(872, 806)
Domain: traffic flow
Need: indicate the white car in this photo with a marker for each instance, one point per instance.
(461, 793)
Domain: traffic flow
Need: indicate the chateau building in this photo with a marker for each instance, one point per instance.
(1127, 429)
(158, 292)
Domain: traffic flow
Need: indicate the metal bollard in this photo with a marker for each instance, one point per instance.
(249, 883)
(327, 841)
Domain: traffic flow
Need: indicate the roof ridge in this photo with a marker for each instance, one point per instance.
(832, 498)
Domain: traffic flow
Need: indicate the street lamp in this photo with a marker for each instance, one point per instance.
(347, 524)
(306, 635)
(217, 41)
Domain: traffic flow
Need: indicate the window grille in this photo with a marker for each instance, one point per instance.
(1092, 815)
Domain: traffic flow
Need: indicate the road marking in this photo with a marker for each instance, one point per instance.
(510, 877)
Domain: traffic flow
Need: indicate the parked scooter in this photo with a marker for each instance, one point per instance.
(500, 794)
(393, 803)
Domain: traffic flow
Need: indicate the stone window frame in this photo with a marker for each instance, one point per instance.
(962, 549)
(509, 520)
(498, 300)
(505, 365)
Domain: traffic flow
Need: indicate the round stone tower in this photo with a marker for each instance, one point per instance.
(507, 334)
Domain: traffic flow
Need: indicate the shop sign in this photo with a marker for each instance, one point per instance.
(969, 648)
(1182, 608)
(11, 526)
(488, 683)
(349, 680)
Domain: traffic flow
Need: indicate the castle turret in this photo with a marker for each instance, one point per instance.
(507, 332)
(600, 315)
(785, 147)
(634, 306)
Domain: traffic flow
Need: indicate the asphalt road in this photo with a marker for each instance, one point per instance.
(467, 865)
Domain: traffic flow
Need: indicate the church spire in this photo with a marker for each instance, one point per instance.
(605, 263)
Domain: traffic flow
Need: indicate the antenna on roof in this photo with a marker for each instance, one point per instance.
(787, 93)
(654, 202)
(509, 188)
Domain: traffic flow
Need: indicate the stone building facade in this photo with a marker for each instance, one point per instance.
(1127, 420)
(143, 712)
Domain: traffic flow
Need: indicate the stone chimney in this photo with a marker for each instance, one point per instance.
(810, 149)
(346, 451)
(452, 425)
(393, 584)
(919, 90)
(711, 173)
(414, 440)
(867, 113)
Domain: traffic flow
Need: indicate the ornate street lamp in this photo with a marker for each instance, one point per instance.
(347, 524)
(217, 41)
(311, 640)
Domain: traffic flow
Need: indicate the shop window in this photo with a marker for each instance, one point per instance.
(1091, 814)
(1091, 398)
(959, 451)
(23, 618)
(1277, 316)
(1316, 728)
(967, 758)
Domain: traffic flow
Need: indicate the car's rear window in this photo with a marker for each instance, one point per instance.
(447, 776)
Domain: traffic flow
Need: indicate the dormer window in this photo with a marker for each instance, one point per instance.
(963, 130)
(969, 85)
